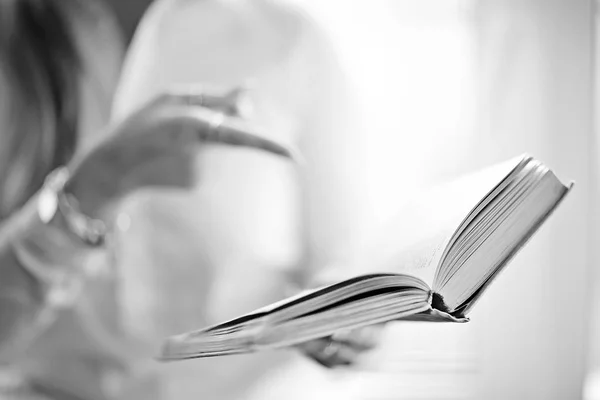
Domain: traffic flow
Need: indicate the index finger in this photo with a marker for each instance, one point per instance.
(215, 127)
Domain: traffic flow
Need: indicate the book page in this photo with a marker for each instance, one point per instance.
(413, 242)
(491, 249)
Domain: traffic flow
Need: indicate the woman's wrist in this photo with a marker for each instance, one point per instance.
(56, 205)
(51, 241)
(48, 251)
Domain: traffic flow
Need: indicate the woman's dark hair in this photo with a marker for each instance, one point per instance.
(40, 70)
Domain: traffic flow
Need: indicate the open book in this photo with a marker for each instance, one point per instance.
(440, 254)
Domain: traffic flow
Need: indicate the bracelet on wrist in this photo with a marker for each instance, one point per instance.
(59, 212)
(54, 200)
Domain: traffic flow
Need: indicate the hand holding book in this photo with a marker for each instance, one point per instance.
(342, 348)
(432, 264)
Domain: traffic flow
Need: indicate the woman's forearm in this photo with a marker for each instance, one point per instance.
(35, 260)
(21, 293)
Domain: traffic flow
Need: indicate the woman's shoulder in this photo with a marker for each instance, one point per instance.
(213, 41)
(213, 16)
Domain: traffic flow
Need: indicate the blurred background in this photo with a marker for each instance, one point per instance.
(440, 88)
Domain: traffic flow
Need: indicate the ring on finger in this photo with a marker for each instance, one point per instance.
(331, 349)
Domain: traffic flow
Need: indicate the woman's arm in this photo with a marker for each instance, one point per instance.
(43, 246)
(21, 297)
(39, 264)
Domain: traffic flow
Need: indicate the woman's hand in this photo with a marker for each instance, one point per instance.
(172, 127)
(343, 348)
